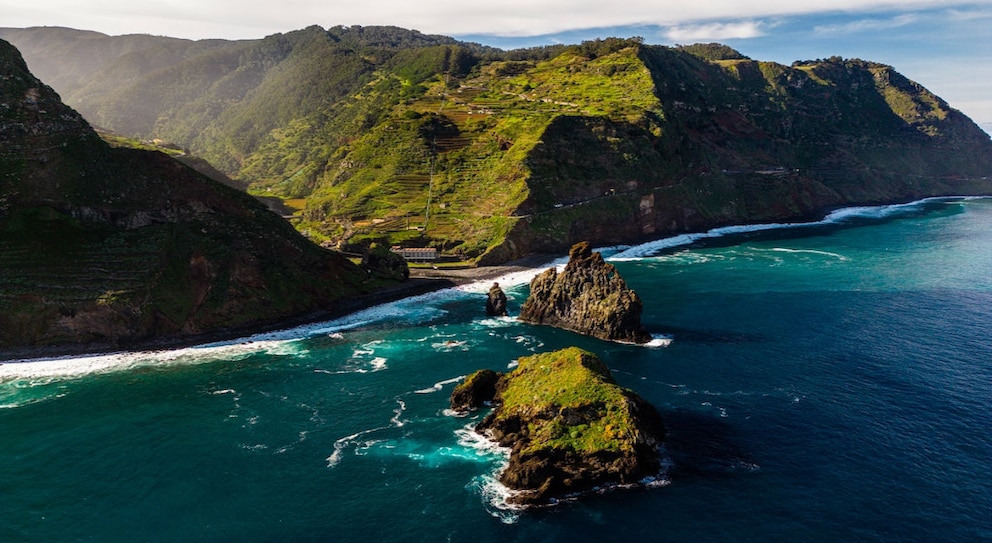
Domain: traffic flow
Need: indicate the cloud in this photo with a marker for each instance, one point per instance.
(256, 18)
(867, 25)
(969, 15)
(707, 32)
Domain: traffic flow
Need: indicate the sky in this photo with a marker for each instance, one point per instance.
(945, 45)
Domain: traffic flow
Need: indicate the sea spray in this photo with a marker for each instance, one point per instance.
(838, 216)
(438, 386)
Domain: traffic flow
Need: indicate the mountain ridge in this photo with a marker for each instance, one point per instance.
(103, 247)
(390, 135)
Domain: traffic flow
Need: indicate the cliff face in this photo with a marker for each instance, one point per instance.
(739, 141)
(588, 297)
(421, 140)
(105, 247)
(570, 427)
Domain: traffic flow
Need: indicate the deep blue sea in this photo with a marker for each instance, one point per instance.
(828, 382)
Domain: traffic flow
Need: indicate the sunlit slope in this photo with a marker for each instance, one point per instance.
(391, 135)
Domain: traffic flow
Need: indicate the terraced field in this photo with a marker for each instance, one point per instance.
(86, 270)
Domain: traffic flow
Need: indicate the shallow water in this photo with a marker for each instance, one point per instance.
(822, 382)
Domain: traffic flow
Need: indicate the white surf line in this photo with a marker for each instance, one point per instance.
(439, 385)
(270, 342)
(511, 279)
(74, 365)
(524, 277)
(834, 217)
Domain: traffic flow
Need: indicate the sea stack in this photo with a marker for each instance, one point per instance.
(496, 302)
(571, 429)
(588, 297)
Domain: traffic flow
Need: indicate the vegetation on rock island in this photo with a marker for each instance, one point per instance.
(569, 426)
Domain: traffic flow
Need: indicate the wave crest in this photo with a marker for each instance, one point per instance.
(838, 216)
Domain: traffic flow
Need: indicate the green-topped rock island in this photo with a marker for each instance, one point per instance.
(570, 427)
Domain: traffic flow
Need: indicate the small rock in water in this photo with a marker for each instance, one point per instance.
(496, 302)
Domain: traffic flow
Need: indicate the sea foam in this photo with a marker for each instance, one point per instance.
(495, 495)
(286, 342)
(439, 385)
(511, 279)
(659, 340)
(416, 309)
(76, 366)
(835, 217)
(343, 443)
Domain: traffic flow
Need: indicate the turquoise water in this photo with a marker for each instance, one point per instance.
(830, 382)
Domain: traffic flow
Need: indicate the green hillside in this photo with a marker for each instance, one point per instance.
(110, 247)
(388, 134)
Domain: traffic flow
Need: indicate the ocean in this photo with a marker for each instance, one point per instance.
(821, 382)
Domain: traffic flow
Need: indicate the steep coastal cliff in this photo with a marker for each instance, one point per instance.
(738, 141)
(103, 247)
(388, 135)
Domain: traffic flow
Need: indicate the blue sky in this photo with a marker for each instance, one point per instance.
(945, 45)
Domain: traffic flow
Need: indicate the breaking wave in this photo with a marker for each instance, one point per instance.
(439, 385)
(835, 217)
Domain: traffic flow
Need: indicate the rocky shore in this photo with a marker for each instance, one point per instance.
(421, 281)
(570, 428)
(461, 276)
(413, 287)
(589, 297)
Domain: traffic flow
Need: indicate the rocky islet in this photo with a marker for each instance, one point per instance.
(570, 428)
(589, 297)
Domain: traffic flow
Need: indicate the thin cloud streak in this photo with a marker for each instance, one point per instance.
(970, 14)
(717, 31)
(868, 25)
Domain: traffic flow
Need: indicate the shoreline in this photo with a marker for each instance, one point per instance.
(465, 276)
(421, 281)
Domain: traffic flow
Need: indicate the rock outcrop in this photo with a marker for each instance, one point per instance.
(588, 297)
(570, 427)
(496, 301)
(475, 391)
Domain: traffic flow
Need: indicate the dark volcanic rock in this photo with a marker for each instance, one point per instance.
(570, 427)
(475, 391)
(496, 302)
(588, 297)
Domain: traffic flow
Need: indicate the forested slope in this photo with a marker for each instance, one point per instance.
(103, 247)
(380, 133)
